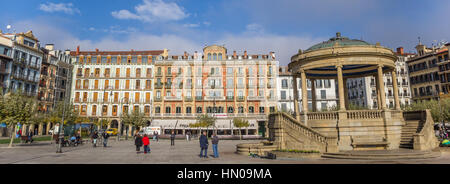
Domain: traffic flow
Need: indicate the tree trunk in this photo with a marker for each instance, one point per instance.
(240, 133)
(12, 135)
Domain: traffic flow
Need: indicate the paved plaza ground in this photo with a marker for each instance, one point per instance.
(123, 152)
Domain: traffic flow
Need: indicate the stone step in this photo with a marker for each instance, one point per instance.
(405, 157)
(380, 153)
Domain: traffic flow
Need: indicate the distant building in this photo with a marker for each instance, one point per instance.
(326, 98)
(425, 72)
(107, 84)
(362, 91)
(25, 68)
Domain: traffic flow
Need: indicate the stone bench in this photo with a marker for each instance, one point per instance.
(369, 142)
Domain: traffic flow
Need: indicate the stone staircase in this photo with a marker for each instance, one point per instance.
(400, 154)
(408, 130)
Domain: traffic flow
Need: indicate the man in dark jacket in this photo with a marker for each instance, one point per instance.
(138, 143)
(215, 142)
(203, 145)
(172, 138)
(105, 139)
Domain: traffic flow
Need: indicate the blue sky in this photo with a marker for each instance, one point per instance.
(258, 26)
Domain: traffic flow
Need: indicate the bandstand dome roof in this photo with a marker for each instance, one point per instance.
(342, 41)
(356, 57)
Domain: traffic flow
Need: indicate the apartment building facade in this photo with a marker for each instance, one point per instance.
(213, 82)
(424, 72)
(107, 84)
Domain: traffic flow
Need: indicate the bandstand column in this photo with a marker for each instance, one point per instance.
(378, 92)
(394, 83)
(381, 87)
(313, 95)
(304, 93)
(296, 107)
(346, 93)
(341, 88)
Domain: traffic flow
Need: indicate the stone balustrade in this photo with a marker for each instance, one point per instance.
(323, 116)
(364, 114)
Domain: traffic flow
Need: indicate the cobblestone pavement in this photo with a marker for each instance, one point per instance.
(123, 152)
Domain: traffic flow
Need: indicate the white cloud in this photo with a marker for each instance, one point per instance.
(67, 8)
(153, 10)
(191, 25)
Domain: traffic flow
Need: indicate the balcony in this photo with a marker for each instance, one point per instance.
(230, 98)
(158, 85)
(198, 98)
(260, 98)
(168, 85)
(240, 98)
(172, 98)
(269, 85)
(212, 98)
(158, 74)
(188, 99)
(157, 99)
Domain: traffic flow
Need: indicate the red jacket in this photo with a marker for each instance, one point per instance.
(146, 141)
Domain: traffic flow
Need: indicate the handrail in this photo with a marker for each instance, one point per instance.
(305, 129)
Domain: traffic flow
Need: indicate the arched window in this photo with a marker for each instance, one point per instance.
(220, 110)
(209, 56)
(241, 109)
(230, 109)
(167, 110)
(199, 109)
(215, 57)
(220, 56)
(251, 109)
(157, 110)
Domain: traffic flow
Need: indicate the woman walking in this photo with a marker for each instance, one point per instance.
(146, 142)
(138, 143)
(94, 138)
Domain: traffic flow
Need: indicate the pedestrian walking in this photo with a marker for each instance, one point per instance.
(187, 136)
(138, 143)
(157, 136)
(154, 136)
(94, 138)
(172, 138)
(146, 142)
(29, 137)
(215, 142)
(105, 139)
(203, 145)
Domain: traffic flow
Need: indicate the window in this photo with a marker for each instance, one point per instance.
(178, 110)
(284, 83)
(188, 110)
(323, 94)
(240, 109)
(230, 109)
(199, 109)
(94, 110)
(283, 95)
(157, 110)
(251, 109)
(104, 110)
(261, 110)
(147, 110)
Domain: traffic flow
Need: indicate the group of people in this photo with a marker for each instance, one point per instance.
(139, 141)
(95, 136)
(145, 141)
(204, 145)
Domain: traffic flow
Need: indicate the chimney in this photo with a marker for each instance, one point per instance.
(185, 55)
(245, 54)
(78, 50)
(234, 55)
(400, 50)
(96, 50)
(195, 55)
(49, 47)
